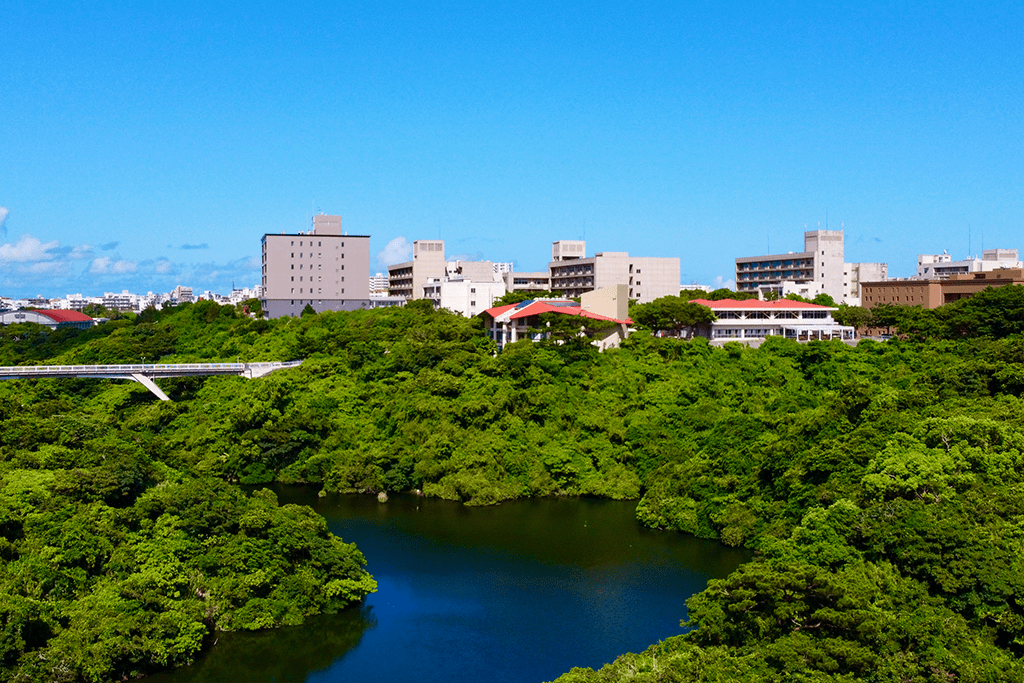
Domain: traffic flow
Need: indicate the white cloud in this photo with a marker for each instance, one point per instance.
(163, 266)
(398, 250)
(27, 249)
(106, 265)
(47, 268)
(721, 282)
(3, 218)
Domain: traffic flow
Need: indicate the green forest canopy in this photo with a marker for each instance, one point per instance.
(882, 485)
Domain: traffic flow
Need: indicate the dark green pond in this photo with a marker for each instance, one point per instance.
(519, 592)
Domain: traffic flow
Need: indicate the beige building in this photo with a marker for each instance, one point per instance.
(322, 268)
(646, 277)
(408, 279)
(528, 282)
(821, 268)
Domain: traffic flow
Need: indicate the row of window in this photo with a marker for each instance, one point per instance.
(788, 263)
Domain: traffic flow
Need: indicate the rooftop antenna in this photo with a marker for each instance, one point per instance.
(826, 218)
(968, 240)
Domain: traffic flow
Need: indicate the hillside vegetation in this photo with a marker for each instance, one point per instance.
(882, 485)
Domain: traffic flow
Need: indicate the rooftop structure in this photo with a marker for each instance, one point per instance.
(942, 266)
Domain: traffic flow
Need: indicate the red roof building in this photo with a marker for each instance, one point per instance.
(752, 319)
(507, 324)
(49, 317)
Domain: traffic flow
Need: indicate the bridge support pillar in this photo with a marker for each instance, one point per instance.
(151, 385)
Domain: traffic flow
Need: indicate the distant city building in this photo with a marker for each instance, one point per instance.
(942, 266)
(820, 268)
(182, 294)
(322, 268)
(51, 318)
(378, 285)
(646, 277)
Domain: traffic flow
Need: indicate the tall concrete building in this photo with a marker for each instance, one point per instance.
(820, 268)
(646, 277)
(322, 268)
(407, 279)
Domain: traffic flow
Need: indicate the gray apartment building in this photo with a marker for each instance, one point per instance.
(322, 268)
(646, 277)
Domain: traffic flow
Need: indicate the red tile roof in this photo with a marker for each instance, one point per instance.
(541, 306)
(65, 316)
(751, 304)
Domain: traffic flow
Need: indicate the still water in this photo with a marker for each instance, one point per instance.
(519, 592)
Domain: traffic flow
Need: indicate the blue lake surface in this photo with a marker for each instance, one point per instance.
(519, 592)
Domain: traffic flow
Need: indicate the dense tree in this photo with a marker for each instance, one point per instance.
(880, 484)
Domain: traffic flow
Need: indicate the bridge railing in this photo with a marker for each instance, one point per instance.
(141, 368)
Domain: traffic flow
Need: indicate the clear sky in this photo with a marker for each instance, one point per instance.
(146, 144)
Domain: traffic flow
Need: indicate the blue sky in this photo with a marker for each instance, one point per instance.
(146, 144)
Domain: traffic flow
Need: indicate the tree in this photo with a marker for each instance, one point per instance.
(672, 314)
(853, 316)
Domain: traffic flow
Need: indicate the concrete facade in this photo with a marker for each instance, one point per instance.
(322, 268)
(528, 282)
(646, 277)
(820, 268)
(855, 274)
(464, 296)
(407, 279)
(942, 266)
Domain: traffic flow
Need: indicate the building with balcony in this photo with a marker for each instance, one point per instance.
(820, 268)
(646, 277)
(406, 280)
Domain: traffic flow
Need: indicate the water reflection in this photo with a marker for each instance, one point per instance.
(519, 592)
(286, 654)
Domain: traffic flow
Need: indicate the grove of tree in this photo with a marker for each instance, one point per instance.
(881, 486)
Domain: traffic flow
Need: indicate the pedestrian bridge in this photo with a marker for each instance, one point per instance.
(144, 374)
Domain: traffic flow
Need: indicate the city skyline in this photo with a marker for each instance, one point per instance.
(147, 147)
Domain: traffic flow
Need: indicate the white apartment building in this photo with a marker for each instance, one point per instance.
(646, 277)
(464, 296)
(942, 266)
(821, 268)
(322, 268)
